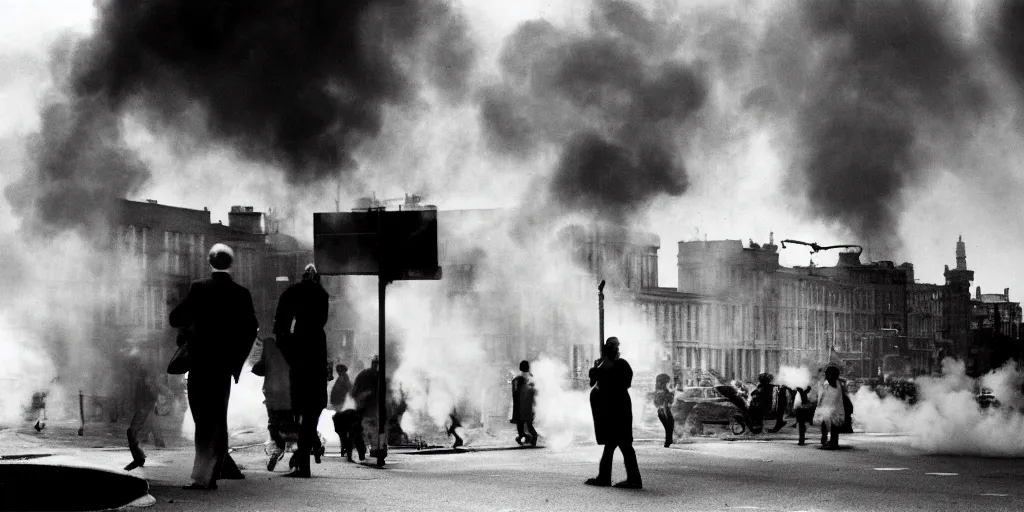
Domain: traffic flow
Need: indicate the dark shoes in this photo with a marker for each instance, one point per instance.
(626, 484)
(319, 452)
(137, 463)
(200, 487)
(458, 443)
(40, 426)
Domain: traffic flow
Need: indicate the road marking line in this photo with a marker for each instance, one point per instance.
(890, 469)
(993, 494)
(943, 474)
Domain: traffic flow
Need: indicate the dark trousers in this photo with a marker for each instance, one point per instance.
(208, 394)
(802, 429)
(829, 431)
(526, 427)
(628, 456)
(309, 440)
(668, 422)
(353, 439)
(141, 424)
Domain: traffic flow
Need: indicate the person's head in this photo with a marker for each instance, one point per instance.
(832, 373)
(341, 369)
(221, 257)
(610, 348)
(310, 273)
(661, 381)
(765, 378)
(375, 362)
(524, 366)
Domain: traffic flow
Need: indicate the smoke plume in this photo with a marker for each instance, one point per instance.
(610, 107)
(867, 80)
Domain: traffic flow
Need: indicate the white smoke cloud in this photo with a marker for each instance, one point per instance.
(946, 418)
(563, 414)
(793, 377)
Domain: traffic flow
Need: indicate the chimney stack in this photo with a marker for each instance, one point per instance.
(245, 219)
(977, 293)
(1006, 292)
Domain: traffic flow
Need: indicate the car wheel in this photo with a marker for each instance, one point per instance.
(737, 426)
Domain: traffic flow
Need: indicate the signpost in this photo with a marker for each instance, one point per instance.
(392, 245)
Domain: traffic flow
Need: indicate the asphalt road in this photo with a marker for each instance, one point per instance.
(874, 473)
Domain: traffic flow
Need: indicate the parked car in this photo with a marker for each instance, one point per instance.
(695, 407)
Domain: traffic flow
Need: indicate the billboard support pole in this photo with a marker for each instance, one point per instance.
(382, 444)
(600, 317)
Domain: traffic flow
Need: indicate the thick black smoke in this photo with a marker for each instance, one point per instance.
(867, 80)
(297, 84)
(613, 107)
(1008, 37)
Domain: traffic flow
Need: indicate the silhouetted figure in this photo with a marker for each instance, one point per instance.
(364, 393)
(830, 409)
(220, 314)
(455, 423)
(348, 425)
(145, 390)
(613, 415)
(766, 401)
(342, 386)
(804, 413)
(277, 397)
(523, 399)
(664, 397)
(305, 303)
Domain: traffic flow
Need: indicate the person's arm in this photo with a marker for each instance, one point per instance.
(283, 325)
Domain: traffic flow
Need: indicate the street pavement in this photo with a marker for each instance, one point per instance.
(872, 472)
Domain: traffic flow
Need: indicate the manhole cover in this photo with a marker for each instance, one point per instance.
(79, 488)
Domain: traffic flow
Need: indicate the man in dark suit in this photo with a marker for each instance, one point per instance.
(305, 303)
(220, 315)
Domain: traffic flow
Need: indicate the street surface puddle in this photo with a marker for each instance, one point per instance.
(890, 469)
(943, 474)
(994, 494)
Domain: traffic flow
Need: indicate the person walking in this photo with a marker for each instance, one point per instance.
(342, 386)
(830, 410)
(804, 413)
(223, 323)
(364, 393)
(612, 408)
(523, 399)
(145, 390)
(305, 349)
(277, 397)
(664, 397)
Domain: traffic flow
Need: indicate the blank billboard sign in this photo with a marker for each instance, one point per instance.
(404, 243)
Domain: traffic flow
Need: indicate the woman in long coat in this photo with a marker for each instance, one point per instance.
(613, 415)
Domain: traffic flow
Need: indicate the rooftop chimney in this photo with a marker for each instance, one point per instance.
(977, 293)
(1006, 292)
(849, 259)
(245, 219)
(151, 201)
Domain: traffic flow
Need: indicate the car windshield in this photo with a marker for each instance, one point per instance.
(693, 393)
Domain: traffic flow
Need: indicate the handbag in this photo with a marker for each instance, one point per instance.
(179, 361)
